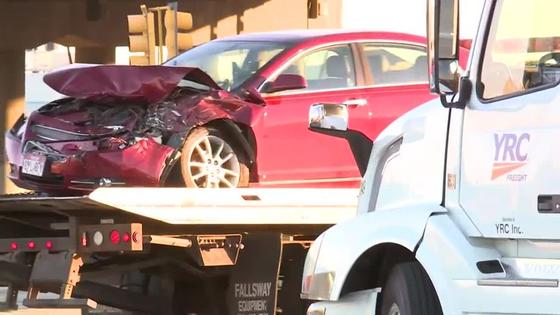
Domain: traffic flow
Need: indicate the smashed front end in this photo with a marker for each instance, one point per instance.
(121, 126)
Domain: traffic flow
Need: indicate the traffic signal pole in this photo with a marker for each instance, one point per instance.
(160, 11)
(177, 25)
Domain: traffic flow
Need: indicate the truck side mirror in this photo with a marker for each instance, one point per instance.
(443, 46)
(328, 116)
(332, 120)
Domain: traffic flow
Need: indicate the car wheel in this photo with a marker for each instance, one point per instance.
(210, 160)
(409, 291)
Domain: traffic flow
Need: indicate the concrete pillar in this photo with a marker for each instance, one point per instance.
(12, 92)
(100, 55)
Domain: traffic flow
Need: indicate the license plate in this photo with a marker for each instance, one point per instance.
(33, 164)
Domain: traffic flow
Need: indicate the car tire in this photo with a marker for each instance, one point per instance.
(210, 160)
(409, 291)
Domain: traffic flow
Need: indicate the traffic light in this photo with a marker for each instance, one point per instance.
(177, 24)
(141, 37)
(313, 9)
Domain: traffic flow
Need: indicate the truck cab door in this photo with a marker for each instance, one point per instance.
(510, 163)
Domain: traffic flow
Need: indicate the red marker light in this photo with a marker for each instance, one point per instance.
(48, 244)
(14, 246)
(84, 240)
(126, 237)
(31, 245)
(115, 237)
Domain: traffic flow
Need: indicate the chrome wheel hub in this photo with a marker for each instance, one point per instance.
(213, 164)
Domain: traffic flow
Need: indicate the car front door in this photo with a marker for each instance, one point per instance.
(288, 152)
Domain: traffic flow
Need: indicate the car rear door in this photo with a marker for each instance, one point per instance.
(396, 77)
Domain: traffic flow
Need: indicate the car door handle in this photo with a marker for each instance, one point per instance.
(356, 102)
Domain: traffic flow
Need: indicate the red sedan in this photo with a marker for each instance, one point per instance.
(240, 121)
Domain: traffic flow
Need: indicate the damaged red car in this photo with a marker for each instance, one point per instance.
(229, 113)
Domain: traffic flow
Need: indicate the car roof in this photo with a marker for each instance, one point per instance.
(305, 35)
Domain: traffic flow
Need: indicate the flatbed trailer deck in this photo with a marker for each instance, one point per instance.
(165, 250)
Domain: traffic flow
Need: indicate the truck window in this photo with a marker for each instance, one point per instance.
(522, 49)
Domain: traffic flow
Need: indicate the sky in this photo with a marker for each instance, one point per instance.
(389, 15)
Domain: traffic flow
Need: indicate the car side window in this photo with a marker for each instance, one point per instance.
(396, 64)
(326, 68)
(523, 48)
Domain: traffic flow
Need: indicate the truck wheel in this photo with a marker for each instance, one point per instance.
(409, 291)
(210, 160)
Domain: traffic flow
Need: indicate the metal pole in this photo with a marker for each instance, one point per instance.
(160, 36)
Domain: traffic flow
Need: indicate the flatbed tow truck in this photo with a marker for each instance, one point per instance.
(163, 250)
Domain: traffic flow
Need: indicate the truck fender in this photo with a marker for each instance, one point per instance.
(450, 258)
(339, 250)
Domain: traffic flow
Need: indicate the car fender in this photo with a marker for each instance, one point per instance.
(331, 259)
(227, 125)
(219, 109)
(218, 106)
(239, 138)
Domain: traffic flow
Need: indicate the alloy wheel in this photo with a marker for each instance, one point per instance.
(213, 164)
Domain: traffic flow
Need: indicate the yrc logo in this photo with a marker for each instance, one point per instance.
(510, 154)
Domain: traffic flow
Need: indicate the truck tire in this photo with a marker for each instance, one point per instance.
(209, 159)
(409, 291)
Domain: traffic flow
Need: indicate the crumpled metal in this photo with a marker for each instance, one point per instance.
(107, 83)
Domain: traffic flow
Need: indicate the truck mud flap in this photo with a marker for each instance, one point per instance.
(254, 279)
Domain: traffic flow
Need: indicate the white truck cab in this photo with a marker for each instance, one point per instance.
(459, 210)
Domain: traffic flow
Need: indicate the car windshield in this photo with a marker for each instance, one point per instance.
(229, 63)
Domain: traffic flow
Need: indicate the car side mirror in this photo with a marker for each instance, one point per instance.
(333, 120)
(286, 82)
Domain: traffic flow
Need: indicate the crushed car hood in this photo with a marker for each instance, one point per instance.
(147, 84)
